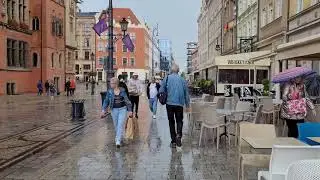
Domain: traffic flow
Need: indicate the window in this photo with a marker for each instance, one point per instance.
(124, 61)
(86, 66)
(71, 24)
(17, 53)
(100, 47)
(35, 60)
(52, 60)
(57, 26)
(60, 61)
(114, 61)
(77, 56)
(11, 88)
(124, 48)
(22, 10)
(133, 37)
(86, 55)
(234, 76)
(132, 61)
(87, 28)
(278, 8)
(35, 24)
(87, 42)
(299, 5)
(270, 13)
(69, 58)
(261, 75)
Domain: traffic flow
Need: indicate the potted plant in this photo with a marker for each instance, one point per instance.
(266, 87)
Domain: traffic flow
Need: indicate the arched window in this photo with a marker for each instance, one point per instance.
(35, 24)
(60, 59)
(35, 60)
(52, 60)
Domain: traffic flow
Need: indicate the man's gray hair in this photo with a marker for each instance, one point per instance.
(175, 68)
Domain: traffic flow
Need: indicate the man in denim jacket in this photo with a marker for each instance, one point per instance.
(177, 97)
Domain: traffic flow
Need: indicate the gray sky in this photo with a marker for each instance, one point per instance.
(177, 19)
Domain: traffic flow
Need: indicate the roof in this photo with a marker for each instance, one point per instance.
(119, 13)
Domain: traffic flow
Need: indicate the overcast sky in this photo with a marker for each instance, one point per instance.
(177, 19)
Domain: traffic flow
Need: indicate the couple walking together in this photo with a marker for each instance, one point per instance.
(177, 97)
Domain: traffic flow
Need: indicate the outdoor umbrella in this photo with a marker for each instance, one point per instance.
(289, 74)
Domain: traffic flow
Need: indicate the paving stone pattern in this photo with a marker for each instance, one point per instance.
(90, 153)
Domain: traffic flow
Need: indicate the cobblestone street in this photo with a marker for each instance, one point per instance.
(86, 150)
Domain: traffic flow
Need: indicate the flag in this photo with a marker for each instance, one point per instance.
(128, 42)
(100, 27)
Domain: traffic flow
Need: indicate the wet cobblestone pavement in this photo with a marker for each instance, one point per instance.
(90, 153)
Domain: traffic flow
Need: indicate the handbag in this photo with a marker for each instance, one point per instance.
(130, 129)
(164, 95)
(297, 106)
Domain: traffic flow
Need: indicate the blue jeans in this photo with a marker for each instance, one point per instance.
(119, 117)
(153, 105)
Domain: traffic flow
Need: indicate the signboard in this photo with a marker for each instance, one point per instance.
(239, 62)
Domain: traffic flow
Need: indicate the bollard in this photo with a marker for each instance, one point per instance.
(78, 110)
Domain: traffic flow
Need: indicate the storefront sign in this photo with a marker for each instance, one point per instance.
(235, 62)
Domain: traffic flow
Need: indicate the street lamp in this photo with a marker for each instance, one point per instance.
(92, 74)
(124, 26)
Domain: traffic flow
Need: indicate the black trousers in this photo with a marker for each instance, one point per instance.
(135, 103)
(293, 127)
(175, 116)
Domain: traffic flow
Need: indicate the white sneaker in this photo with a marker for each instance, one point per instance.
(154, 117)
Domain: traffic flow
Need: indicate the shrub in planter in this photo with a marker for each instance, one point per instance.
(266, 87)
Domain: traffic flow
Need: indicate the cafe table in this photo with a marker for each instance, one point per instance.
(315, 139)
(267, 143)
(228, 112)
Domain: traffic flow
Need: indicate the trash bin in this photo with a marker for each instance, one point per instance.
(103, 96)
(227, 90)
(78, 110)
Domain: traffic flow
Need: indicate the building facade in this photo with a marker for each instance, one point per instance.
(86, 45)
(191, 47)
(70, 31)
(166, 60)
(247, 24)
(154, 53)
(33, 45)
(229, 22)
(124, 62)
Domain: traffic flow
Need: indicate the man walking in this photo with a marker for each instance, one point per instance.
(152, 93)
(177, 96)
(134, 88)
(68, 86)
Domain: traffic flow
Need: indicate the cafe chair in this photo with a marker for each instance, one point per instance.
(194, 115)
(283, 156)
(304, 170)
(220, 103)
(236, 118)
(210, 120)
(246, 158)
(309, 129)
(268, 110)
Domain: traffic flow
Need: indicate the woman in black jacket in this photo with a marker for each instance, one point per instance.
(152, 93)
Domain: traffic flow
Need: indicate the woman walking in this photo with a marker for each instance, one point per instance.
(118, 102)
(40, 88)
(295, 104)
(152, 93)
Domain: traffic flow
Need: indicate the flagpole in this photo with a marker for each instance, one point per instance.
(110, 46)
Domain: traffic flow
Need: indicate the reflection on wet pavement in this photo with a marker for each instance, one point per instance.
(90, 153)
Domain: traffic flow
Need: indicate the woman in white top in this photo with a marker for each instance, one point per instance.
(152, 93)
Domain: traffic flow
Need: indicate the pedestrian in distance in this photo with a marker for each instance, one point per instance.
(47, 87)
(177, 97)
(72, 87)
(152, 93)
(68, 83)
(52, 89)
(135, 89)
(118, 102)
(40, 88)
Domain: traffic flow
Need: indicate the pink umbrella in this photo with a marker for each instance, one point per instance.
(289, 74)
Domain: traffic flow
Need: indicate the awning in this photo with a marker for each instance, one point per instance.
(243, 59)
(299, 48)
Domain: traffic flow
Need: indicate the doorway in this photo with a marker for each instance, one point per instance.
(56, 83)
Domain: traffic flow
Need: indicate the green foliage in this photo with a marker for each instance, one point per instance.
(266, 87)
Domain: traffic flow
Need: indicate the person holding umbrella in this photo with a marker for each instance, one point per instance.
(295, 98)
